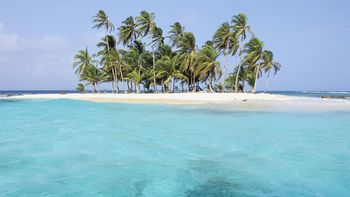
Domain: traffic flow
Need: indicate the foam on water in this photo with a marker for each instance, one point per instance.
(75, 148)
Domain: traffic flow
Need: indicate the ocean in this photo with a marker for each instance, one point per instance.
(77, 148)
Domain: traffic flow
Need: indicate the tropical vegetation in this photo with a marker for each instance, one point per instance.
(139, 57)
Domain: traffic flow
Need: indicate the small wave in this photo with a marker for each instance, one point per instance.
(325, 92)
(340, 92)
(312, 92)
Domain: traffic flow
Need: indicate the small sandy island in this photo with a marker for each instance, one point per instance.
(222, 101)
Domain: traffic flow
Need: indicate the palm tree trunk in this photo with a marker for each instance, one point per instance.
(225, 68)
(98, 89)
(154, 73)
(174, 81)
(256, 78)
(137, 86)
(121, 74)
(112, 87)
(194, 84)
(211, 87)
(239, 69)
(116, 80)
(162, 86)
(113, 73)
(210, 83)
(244, 84)
(237, 77)
(107, 41)
(127, 83)
(93, 88)
(267, 81)
(131, 87)
(113, 82)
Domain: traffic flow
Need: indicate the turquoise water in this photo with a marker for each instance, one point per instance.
(75, 148)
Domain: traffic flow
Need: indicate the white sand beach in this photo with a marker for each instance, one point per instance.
(222, 101)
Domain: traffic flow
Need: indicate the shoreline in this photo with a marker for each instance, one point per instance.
(222, 101)
(192, 98)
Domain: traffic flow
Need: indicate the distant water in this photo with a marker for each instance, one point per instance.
(314, 93)
(76, 148)
(18, 92)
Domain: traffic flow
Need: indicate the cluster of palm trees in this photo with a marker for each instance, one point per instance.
(146, 60)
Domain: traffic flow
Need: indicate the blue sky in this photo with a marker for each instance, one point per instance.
(310, 38)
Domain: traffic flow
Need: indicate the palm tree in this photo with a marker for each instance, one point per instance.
(208, 66)
(122, 65)
(146, 26)
(241, 28)
(136, 55)
(176, 30)
(136, 77)
(249, 75)
(101, 20)
(163, 50)
(127, 32)
(108, 44)
(82, 60)
(254, 54)
(145, 23)
(165, 55)
(163, 71)
(80, 88)
(112, 65)
(186, 42)
(157, 40)
(187, 57)
(94, 76)
(138, 58)
(268, 64)
(185, 64)
(245, 74)
(225, 42)
(178, 75)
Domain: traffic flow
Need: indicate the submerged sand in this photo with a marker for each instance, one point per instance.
(222, 101)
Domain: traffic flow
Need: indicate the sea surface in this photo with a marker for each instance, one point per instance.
(77, 148)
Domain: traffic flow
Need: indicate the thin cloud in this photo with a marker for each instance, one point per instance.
(190, 18)
(40, 61)
(9, 42)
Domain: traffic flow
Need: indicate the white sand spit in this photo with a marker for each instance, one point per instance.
(224, 101)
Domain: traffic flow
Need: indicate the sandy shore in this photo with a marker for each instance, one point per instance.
(185, 98)
(222, 101)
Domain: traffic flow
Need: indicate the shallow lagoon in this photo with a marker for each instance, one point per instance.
(75, 148)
